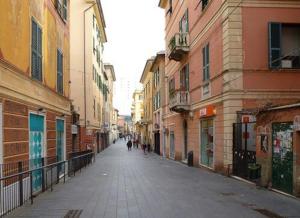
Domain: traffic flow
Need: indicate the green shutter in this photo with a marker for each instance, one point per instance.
(36, 51)
(59, 72)
(207, 62)
(204, 63)
(187, 79)
(187, 20)
(274, 45)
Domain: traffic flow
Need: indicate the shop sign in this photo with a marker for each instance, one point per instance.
(248, 118)
(207, 111)
(297, 123)
(74, 129)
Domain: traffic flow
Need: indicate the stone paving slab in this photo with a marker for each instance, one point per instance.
(124, 184)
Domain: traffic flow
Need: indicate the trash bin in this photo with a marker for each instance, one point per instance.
(190, 158)
(254, 171)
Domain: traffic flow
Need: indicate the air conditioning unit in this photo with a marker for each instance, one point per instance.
(286, 64)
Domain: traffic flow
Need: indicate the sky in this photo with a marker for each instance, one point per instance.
(135, 32)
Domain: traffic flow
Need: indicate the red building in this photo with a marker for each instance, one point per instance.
(224, 59)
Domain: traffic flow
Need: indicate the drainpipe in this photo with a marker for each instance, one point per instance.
(84, 62)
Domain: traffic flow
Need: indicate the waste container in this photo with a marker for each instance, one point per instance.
(190, 158)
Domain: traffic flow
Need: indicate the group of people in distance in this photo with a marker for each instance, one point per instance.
(135, 143)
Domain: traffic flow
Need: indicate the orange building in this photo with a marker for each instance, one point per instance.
(224, 60)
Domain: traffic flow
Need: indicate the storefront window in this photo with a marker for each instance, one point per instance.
(207, 142)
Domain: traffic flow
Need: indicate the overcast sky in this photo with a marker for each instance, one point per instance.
(135, 32)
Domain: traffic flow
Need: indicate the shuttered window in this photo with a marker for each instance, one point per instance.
(36, 51)
(65, 9)
(274, 45)
(205, 55)
(184, 78)
(60, 77)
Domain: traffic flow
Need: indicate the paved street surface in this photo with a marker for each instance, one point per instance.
(130, 184)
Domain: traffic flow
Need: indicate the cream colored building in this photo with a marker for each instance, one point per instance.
(109, 109)
(137, 112)
(87, 33)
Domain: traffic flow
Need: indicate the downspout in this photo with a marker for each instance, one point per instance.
(84, 63)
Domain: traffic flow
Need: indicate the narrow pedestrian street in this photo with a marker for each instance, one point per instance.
(130, 184)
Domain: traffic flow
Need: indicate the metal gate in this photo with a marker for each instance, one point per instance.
(282, 158)
(244, 148)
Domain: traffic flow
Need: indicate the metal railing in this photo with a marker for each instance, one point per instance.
(179, 40)
(20, 187)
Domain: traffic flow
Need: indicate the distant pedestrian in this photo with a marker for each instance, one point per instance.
(149, 148)
(137, 144)
(129, 145)
(144, 148)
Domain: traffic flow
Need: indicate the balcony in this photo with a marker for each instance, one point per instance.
(180, 101)
(179, 46)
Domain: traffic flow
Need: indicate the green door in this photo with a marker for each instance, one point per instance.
(60, 128)
(282, 160)
(36, 149)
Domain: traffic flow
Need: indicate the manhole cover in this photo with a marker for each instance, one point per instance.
(268, 213)
(73, 214)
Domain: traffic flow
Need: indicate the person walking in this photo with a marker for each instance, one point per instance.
(144, 148)
(129, 145)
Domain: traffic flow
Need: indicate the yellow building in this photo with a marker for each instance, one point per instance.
(88, 36)
(146, 80)
(137, 112)
(34, 79)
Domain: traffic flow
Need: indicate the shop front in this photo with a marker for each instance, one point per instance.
(278, 148)
(207, 138)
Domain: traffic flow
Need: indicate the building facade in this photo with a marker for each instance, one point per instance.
(87, 72)
(110, 112)
(225, 58)
(158, 93)
(35, 116)
(146, 80)
(137, 113)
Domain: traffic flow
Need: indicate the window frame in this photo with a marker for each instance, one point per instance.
(206, 63)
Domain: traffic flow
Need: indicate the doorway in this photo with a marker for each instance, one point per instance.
(60, 142)
(207, 142)
(36, 148)
(172, 145)
(282, 158)
(185, 139)
(157, 142)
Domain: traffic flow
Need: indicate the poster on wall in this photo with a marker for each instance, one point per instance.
(264, 143)
(283, 143)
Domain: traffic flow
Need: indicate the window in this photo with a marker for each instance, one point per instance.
(184, 23)
(94, 107)
(184, 78)
(284, 45)
(60, 78)
(204, 4)
(94, 47)
(171, 87)
(36, 52)
(205, 55)
(94, 21)
(170, 7)
(62, 9)
(65, 10)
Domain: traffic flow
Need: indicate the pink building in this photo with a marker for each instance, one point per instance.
(226, 59)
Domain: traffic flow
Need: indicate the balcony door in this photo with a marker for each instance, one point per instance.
(184, 23)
